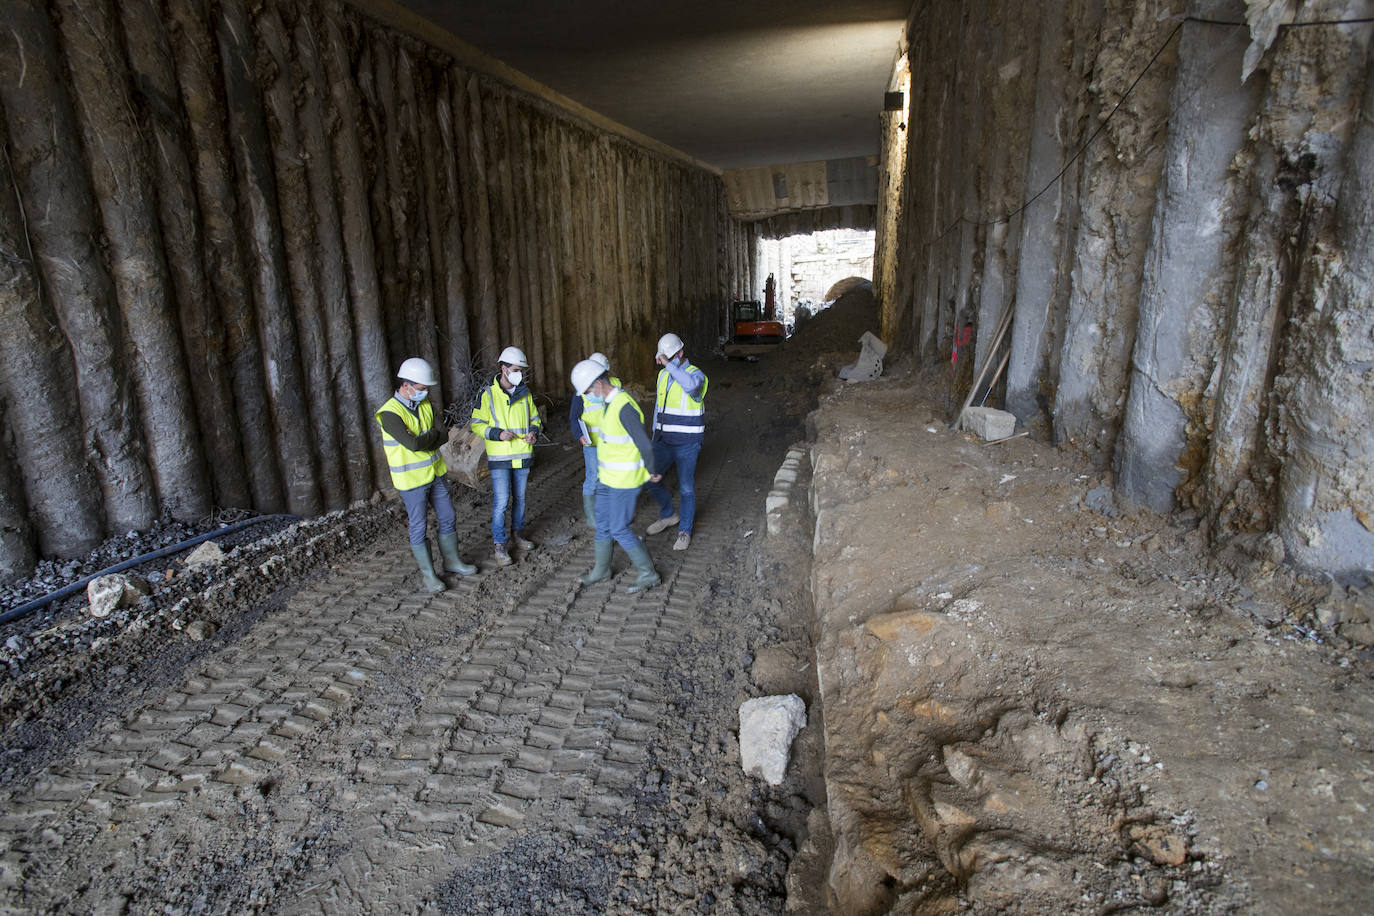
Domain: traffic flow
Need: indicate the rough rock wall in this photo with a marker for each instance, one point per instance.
(223, 224)
(1173, 200)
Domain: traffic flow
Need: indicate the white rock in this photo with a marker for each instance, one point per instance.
(775, 525)
(777, 499)
(114, 591)
(767, 726)
(208, 552)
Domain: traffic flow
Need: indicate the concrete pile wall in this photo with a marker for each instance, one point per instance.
(1176, 203)
(223, 225)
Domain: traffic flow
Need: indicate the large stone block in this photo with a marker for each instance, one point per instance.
(989, 423)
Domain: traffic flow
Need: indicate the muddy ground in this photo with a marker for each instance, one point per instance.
(1007, 660)
(300, 729)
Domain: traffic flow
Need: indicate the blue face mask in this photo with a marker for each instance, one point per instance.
(420, 396)
(595, 399)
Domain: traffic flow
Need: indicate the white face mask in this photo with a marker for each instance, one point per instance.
(417, 396)
(515, 376)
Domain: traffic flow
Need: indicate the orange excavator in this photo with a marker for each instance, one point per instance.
(755, 328)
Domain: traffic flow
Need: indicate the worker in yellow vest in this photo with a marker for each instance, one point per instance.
(625, 460)
(584, 415)
(508, 422)
(679, 427)
(411, 436)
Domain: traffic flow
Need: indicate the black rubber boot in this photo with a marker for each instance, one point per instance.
(648, 576)
(432, 582)
(602, 568)
(448, 546)
(589, 507)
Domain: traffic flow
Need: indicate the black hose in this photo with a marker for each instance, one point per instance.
(27, 608)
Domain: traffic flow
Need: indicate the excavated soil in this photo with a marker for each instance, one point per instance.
(1028, 699)
(1040, 702)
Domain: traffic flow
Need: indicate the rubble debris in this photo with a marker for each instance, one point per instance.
(207, 553)
(108, 593)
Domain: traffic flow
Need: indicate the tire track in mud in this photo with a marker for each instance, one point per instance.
(241, 714)
(552, 713)
(548, 702)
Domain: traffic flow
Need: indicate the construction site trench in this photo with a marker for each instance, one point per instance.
(1020, 698)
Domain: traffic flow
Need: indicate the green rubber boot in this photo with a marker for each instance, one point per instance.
(589, 506)
(448, 546)
(648, 577)
(432, 582)
(602, 569)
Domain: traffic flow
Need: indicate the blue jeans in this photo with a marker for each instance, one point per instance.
(614, 509)
(685, 457)
(503, 481)
(589, 458)
(419, 499)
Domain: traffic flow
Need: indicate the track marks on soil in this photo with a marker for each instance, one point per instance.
(546, 701)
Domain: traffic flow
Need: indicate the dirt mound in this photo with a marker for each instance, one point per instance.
(836, 329)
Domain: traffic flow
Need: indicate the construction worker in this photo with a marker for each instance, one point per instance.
(679, 424)
(508, 421)
(585, 417)
(624, 457)
(411, 437)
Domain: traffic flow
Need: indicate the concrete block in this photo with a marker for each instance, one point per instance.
(776, 500)
(775, 522)
(784, 477)
(989, 423)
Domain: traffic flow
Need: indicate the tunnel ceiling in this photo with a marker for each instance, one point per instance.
(732, 84)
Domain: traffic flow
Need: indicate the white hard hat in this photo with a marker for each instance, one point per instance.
(669, 344)
(418, 371)
(515, 356)
(584, 373)
(601, 360)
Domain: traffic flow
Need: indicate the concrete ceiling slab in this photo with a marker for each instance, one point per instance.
(732, 84)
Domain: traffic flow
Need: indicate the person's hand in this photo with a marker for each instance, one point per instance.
(507, 435)
(585, 441)
(530, 437)
(660, 359)
(655, 478)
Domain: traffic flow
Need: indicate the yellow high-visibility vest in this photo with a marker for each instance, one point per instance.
(592, 413)
(676, 412)
(495, 409)
(410, 469)
(618, 461)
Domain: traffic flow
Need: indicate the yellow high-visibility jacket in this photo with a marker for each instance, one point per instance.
(619, 463)
(499, 410)
(410, 469)
(592, 413)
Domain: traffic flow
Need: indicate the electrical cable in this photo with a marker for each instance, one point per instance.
(29, 607)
